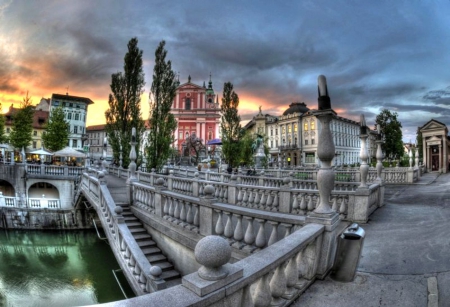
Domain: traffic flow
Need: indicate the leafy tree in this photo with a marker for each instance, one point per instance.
(194, 146)
(22, 126)
(246, 153)
(3, 136)
(124, 110)
(162, 122)
(230, 125)
(56, 133)
(391, 129)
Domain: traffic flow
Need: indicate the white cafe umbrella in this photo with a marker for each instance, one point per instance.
(69, 152)
(41, 152)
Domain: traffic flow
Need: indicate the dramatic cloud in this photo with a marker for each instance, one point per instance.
(375, 54)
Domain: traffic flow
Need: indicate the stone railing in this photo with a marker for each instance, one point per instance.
(142, 277)
(8, 201)
(245, 229)
(43, 171)
(275, 276)
(39, 203)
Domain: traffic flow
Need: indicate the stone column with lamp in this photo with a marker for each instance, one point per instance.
(104, 163)
(132, 166)
(364, 168)
(323, 214)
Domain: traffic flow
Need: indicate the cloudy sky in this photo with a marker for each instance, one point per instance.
(375, 54)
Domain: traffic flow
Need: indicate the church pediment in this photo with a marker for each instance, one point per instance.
(433, 125)
(189, 86)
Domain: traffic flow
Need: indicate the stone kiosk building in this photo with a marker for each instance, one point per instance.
(436, 146)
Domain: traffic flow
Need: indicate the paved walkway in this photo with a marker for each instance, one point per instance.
(406, 255)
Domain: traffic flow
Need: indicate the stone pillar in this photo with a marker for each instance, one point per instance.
(428, 159)
(410, 152)
(364, 168)
(440, 158)
(323, 214)
(132, 166)
(207, 223)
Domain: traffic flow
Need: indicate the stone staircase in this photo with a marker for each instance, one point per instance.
(154, 255)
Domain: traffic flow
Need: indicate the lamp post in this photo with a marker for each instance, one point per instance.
(379, 154)
(364, 168)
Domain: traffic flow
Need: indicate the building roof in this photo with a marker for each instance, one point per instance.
(296, 107)
(95, 128)
(72, 98)
(40, 118)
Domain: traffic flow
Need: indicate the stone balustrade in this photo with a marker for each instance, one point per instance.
(128, 253)
(275, 276)
(50, 171)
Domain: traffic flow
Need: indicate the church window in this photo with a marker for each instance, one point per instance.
(289, 128)
(305, 127)
(210, 135)
(313, 125)
(187, 104)
(180, 135)
(295, 127)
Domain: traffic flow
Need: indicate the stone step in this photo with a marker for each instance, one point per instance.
(146, 243)
(141, 237)
(133, 223)
(170, 275)
(165, 265)
(151, 251)
(134, 230)
(154, 258)
(173, 282)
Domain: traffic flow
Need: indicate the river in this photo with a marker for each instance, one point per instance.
(57, 269)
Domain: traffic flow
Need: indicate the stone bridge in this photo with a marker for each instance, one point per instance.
(278, 245)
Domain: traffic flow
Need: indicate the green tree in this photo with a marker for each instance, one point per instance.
(3, 136)
(56, 133)
(230, 125)
(124, 110)
(162, 123)
(246, 152)
(391, 129)
(22, 126)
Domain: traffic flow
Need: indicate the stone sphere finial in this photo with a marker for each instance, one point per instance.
(286, 180)
(153, 170)
(101, 175)
(209, 191)
(155, 272)
(212, 252)
(196, 174)
(160, 181)
(118, 210)
(171, 172)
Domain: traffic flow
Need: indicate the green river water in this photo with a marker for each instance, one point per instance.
(57, 269)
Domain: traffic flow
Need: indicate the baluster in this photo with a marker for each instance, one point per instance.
(189, 216)
(196, 217)
(261, 236)
(219, 225)
(310, 203)
(249, 237)
(221, 192)
(275, 202)
(239, 197)
(217, 191)
(228, 227)
(183, 212)
(245, 198)
(256, 200)
(303, 205)
(278, 285)
(225, 194)
(171, 208)
(238, 232)
(295, 204)
(274, 235)
(262, 202)
(176, 213)
(262, 296)
(200, 191)
(343, 207)
(269, 200)
(334, 207)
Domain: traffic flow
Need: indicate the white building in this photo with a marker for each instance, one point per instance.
(76, 109)
(292, 137)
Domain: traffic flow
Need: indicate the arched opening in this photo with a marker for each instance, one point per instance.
(7, 188)
(43, 195)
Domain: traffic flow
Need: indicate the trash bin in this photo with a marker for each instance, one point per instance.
(350, 244)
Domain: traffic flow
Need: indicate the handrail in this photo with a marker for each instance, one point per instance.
(118, 282)
(98, 234)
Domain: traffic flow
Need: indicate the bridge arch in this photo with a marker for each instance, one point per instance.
(62, 189)
(7, 188)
